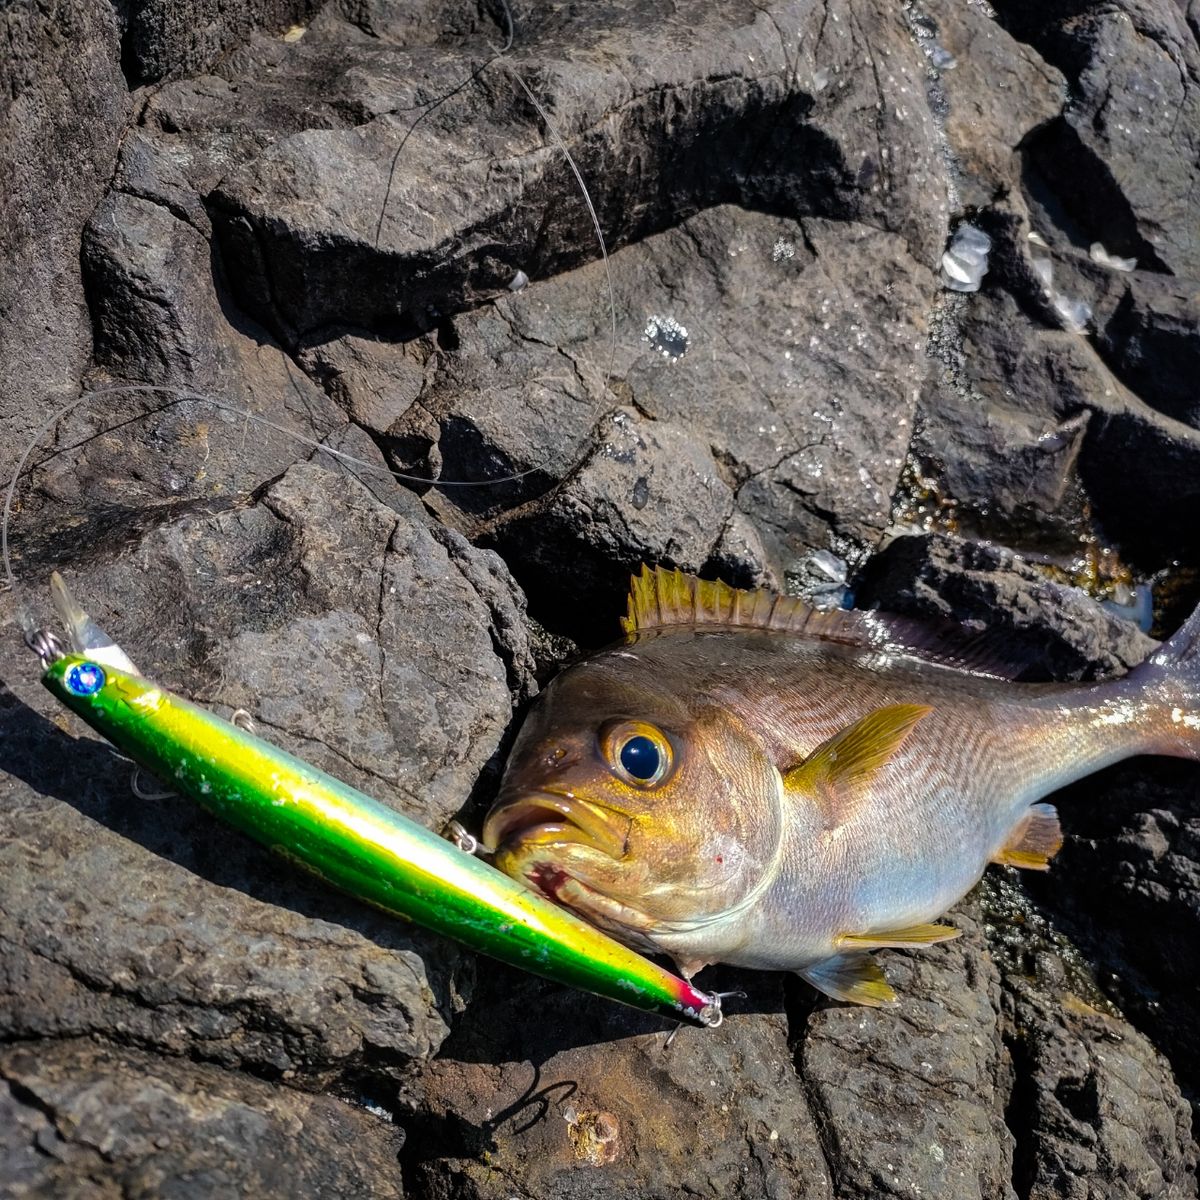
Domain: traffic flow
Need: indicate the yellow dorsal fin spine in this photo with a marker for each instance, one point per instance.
(660, 597)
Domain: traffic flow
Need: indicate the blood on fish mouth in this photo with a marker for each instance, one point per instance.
(547, 818)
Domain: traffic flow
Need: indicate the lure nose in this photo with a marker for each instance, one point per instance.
(538, 818)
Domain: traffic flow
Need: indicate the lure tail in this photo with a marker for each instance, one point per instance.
(85, 636)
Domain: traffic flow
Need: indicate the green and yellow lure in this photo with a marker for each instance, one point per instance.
(345, 837)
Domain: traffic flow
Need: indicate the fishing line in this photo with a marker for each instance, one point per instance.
(183, 395)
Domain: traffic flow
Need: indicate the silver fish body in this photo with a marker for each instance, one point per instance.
(823, 788)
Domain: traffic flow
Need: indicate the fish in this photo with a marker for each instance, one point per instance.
(347, 838)
(743, 779)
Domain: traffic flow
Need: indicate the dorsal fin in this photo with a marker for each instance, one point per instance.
(659, 598)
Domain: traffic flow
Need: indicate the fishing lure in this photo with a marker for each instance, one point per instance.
(343, 836)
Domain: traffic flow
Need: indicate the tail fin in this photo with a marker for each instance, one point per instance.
(1170, 679)
(85, 635)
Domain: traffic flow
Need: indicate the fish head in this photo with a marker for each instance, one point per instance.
(638, 808)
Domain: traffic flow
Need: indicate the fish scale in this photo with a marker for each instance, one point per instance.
(828, 783)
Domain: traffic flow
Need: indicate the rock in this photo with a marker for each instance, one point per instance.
(1152, 342)
(911, 1101)
(330, 229)
(1122, 159)
(143, 263)
(374, 647)
(650, 492)
(1137, 468)
(162, 37)
(63, 107)
(998, 91)
(1095, 1110)
(799, 457)
(364, 234)
(590, 1101)
(1127, 888)
(80, 1120)
(1058, 631)
(999, 460)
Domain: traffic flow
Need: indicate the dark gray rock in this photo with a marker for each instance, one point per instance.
(375, 647)
(1080, 425)
(650, 492)
(911, 1101)
(81, 1120)
(781, 427)
(1127, 887)
(383, 223)
(143, 264)
(63, 107)
(996, 93)
(323, 230)
(1058, 631)
(164, 37)
(1151, 339)
(1095, 1111)
(1123, 159)
(935, 1097)
(590, 1101)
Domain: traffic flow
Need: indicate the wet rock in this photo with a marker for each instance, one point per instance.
(1137, 468)
(81, 1120)
(999, 459)
(63, 107)
(1058, 631)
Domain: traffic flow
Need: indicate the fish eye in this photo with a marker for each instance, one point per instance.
(84, 679)
(640, 757)
(636, 752)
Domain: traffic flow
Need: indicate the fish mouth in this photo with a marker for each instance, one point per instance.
(549, 818)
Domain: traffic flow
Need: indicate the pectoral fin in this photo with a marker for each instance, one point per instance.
(913, 935)
(834, 772)
(688, 967)
(855, 978)
(1036, 839)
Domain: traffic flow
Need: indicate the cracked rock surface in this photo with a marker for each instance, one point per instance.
(348, 224)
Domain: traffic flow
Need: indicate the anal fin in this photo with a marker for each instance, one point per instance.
(912, 935)
(1035, 840)
(855, 978)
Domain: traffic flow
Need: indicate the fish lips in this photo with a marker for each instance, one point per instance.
(553, 818)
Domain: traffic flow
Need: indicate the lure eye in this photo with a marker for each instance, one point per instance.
(84, 679)
(637, 753)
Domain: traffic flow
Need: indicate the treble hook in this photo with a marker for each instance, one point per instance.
(46, 646)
